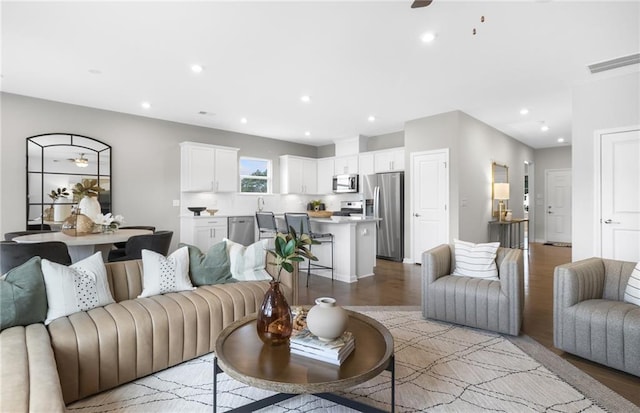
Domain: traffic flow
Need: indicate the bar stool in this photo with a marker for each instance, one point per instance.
(267, 227)
(299, 221)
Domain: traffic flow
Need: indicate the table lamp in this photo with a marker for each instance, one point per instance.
(501, 193)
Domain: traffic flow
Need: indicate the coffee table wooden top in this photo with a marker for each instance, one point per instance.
(244, 357)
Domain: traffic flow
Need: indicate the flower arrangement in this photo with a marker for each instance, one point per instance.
(58, 193)
(88, 187)
(109, 222)
(290, 248)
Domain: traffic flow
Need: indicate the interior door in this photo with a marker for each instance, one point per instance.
(430, 199)
(620, 195)
(558, 213)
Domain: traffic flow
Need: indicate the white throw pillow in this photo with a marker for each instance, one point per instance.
(476, 260)
(165, 274)
(79, 287)
(248, 263)
(632, 292)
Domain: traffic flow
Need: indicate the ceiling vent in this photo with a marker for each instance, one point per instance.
(615, 63)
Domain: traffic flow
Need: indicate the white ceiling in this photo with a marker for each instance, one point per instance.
(354, 59)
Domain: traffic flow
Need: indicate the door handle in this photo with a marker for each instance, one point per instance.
(549, 212)
(416, 214)
(609, 221)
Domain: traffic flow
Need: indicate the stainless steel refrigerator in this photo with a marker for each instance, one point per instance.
(384, 198)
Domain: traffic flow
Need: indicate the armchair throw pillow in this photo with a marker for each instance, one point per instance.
(79, 287)
(248, 263)
(476, 260)
(165, 274)
(210, 268)
(632, 292)
(23, 299)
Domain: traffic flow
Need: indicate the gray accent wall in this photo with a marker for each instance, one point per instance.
(146, 156)
(545, 159)
(386, 141)
(473, 147)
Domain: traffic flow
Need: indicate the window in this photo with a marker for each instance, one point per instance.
(255, 175)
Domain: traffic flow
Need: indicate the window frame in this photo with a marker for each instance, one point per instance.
(268, 178)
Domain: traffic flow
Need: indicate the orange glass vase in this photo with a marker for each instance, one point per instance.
(274, 321)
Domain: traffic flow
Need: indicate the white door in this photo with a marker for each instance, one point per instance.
(620, 195)
(558, 205)
(430, 198)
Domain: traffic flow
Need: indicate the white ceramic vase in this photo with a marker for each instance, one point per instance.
(90, 207)
(61, 211)
(326, 320)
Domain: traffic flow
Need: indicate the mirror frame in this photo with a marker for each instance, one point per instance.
(499, 174)
(36, 166)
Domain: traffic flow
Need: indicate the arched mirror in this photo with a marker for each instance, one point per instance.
(499, 175)
(57, 161)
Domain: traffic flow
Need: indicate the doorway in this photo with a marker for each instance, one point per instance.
(558, 205)
(429, 200)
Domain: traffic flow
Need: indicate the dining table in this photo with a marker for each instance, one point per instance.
(81, 247)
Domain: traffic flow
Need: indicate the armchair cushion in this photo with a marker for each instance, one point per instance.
(632, 292)
(476, 260)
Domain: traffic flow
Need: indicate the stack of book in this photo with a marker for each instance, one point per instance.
(304, 343)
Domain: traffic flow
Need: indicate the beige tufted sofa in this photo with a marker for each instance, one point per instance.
(44, 368)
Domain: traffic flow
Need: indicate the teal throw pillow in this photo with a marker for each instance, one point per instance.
(23, 298)
(210, 268)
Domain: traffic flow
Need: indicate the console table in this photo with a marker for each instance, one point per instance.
(510, 234)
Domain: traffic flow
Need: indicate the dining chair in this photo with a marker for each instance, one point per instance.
(13, 254)
(300, 222)
(158, 242)
(9, 236)
(147, 227)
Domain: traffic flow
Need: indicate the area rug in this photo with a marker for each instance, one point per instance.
(440, 367)
(558, 244)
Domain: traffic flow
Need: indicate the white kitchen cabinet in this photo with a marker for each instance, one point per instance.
(298, 175)
(325, 175)
(208, 168)
(365, 164)
(345, 165)
(389, 160)
(203, 232)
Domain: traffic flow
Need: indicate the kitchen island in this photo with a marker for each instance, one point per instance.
(354, 250)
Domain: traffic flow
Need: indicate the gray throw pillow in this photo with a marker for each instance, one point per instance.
(210, 268)
(23, 298)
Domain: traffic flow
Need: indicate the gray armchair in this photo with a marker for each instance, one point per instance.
(590, 318)
(474, 302)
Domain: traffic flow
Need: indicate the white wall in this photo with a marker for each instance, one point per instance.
(544, 159)
(146, 158)
(609, 101)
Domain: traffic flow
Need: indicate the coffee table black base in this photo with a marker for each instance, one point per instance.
(277, 398)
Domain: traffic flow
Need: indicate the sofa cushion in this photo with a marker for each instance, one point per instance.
(165, 274)
(79, 287)
(248, 263)
(476, 260)
(210, 268)
(23, 299)
(632, 292)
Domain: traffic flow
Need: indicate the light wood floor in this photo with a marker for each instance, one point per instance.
(400, 284)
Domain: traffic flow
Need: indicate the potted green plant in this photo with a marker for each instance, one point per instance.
(316, 204)
(274, 321)
(86, 194)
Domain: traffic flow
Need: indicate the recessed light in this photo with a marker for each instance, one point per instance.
(305, 98)
(197, 68)
(560, 140)
(145, 105)
(307, 133)
(524, 111)
(544, 128)
(371, 118)
(243, 120)
(428, 37)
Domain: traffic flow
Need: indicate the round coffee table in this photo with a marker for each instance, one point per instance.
(241, 354)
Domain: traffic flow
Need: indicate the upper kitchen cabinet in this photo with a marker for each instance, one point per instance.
(325, 174)
(389, 160)
(298, 175)
(345, 165)
(208, 168)
(365, 163)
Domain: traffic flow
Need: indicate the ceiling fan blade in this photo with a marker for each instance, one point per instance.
(421, 3)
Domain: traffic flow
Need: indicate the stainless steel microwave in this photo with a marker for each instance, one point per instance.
(345, 183)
